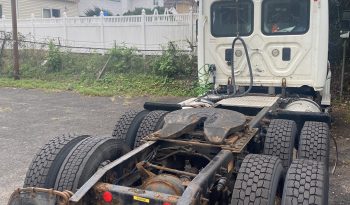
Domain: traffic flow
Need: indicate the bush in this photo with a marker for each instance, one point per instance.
(54, 58)
(125, 60)
(174, 63)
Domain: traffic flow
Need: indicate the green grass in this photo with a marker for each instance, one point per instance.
(126, 74)
(122, 85)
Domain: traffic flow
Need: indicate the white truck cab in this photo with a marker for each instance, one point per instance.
(287, 43)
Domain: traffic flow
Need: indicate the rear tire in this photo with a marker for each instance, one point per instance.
(279, 141)
(306, 183)
(84, 160)
(46, 164)
(258, 180)
(126, 128)
(151, 123)
(314, 142)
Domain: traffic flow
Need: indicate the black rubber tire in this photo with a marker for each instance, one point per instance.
(46, 164)
(314, 142)
(279, 141)
(306, 183)
(258, 180)
(84, 160)
(126, 128)
(151, 123)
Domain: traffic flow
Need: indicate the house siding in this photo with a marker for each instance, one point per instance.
(6, 8)
(28, 7)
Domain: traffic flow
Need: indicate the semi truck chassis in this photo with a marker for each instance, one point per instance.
(223, 153)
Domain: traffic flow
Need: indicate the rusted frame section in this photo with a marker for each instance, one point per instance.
(41, 196)
(127, 195)
(102, 171)
(198, 186)
(236, 146)
(175, 171)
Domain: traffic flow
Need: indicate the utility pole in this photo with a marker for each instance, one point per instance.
(15, 40)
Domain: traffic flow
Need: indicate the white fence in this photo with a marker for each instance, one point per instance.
(143, 32)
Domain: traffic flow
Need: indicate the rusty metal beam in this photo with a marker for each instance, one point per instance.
(202, 181)
(148, 146)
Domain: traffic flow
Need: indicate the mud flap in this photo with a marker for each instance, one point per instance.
(39, 196)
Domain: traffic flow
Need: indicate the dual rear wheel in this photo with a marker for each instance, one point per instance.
(67, 162)
(305, 179)
(134, 125)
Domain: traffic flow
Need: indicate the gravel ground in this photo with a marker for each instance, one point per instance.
(29, 118)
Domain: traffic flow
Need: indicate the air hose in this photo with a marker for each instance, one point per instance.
(233, 81)
(233, 69)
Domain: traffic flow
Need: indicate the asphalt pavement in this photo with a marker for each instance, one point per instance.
(29, 118)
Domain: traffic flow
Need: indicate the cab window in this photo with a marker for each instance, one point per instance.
(229, 18)
(285, 17)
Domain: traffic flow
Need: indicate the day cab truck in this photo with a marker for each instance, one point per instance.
(259, 136)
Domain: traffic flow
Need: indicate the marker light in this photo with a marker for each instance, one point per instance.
(107, 196)
(275, 52)
(166, 203)
(238, 53)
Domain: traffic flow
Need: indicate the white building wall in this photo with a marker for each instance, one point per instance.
(114, 6)
(28, 7)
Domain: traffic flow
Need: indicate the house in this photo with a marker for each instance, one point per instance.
(118, 7)
(181, 6)
(40, 8)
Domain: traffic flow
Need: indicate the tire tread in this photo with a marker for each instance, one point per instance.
(280, 140)
(305, 183)
(255, 179)
(314, 142)
(47, 158)
(148, 125)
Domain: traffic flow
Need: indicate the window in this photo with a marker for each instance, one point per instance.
(56, 13)
(286, 17)
(156, 2)
(229, 18)
(46, 13)
(0, 11)
(51, 13)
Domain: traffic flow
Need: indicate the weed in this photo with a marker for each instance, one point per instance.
(125, 60)
(127, 73)
(173, 63)
(54, 58)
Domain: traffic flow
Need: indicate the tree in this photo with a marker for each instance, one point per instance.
(96, 12)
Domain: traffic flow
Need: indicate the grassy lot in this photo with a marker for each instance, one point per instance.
(118, 85)
(127, 73)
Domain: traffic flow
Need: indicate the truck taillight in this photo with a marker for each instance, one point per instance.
(107, 196)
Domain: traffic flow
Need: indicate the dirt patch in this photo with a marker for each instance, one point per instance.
(340, 181)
